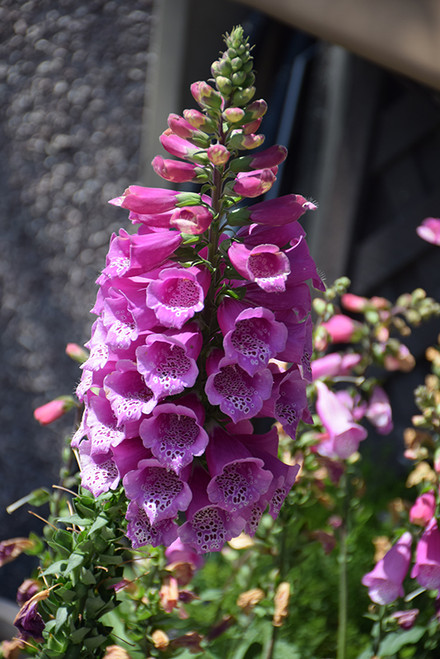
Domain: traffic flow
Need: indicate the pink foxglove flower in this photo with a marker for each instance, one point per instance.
(385, 581)
(429, 230)
(423, 509)
(343, 433)
(174, 171)
(427, 564)
(334, 364)
(379, 411)
(342, 329)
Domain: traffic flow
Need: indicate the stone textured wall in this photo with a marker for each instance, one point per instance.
(72, 86)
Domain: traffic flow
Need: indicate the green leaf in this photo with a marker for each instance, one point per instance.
(99, 522)
(56, 567)
(74, 519)
(78, 635)
(94, 642)
(75, 560)
(392, 643)
(61, 617)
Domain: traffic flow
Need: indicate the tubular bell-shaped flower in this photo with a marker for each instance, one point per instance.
(194, 322)
(385, 581)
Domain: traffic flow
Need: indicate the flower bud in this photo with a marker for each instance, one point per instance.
(75, 352)
(54, 410)
(241, 97)
(241, 141)
(205, 95)
(224, 85)
(218, 154)
(199, 120)
(233, 115)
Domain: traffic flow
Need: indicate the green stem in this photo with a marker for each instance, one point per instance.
(343, 581)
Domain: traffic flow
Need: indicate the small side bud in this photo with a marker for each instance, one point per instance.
(205, 95)
(54, 410)
(218, 154)
(75, 352)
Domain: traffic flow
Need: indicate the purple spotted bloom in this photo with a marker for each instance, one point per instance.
(238, 394)
(142, 532)
(238, 478)
(175, 435)
(159, 491)
(177, 295)
(266, 265)
(208, 526)
(167, 362)
(252, 336)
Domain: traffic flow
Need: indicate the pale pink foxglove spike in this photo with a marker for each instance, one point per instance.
(385, 581)
(429, 230)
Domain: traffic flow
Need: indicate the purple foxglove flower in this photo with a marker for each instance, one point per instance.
(429, 230)
(238, 394)
(274, 212)
(99, 472)
(334, 364)
(127, 392)
(159, 491)
(298, 335)
(26, 590)
(151, 200)
(252, 336)
(191, 219)
(290, 402)
(177, 552)
(135, 254)
(128, 454)
(265, 159)
(423, 509)
(266, 265)
(141, 532)
(255, 183)
(302, 265)
(295, 298)
(406, 619)
(379, 411)
(238, 478)
(208, 526)
(283, 478)
(385, 581)
(119, 324)
(100, 424)
(427, 565)
(168, 361)
(178, 294)
(344, 434)
(260, 234)
(99, 350)
(174, 171)
(174, 435)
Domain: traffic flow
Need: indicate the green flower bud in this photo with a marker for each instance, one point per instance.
(243, 96)
(224, 85)
(238, 78)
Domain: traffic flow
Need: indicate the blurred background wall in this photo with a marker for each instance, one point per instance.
(85, 89)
